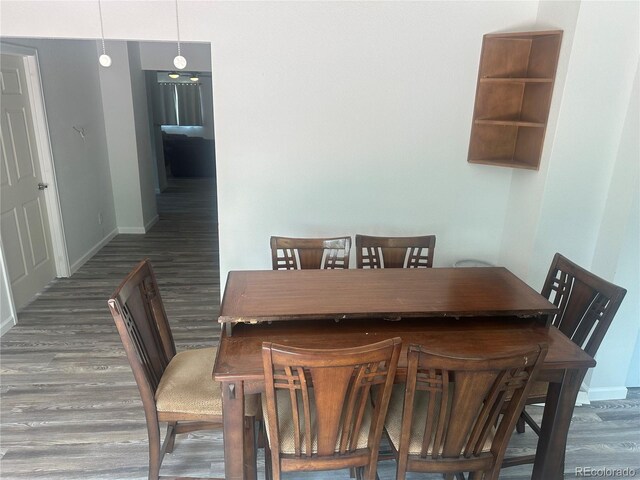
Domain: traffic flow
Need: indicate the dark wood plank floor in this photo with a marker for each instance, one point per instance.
(69, 406)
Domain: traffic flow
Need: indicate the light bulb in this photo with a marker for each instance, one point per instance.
(174, 75)
(105, 60)
(180, 62)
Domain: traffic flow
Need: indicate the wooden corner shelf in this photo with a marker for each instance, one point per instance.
(513, 96)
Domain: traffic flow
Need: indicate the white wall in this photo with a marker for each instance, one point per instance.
(524, 205)
(594, 106)
(589, 189)
(146, 163)
(617, 256)
(127, 126)
(343, 118)
(580, 202)
(69, 72)
(115, 88)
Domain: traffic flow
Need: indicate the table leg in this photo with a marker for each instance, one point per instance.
(558, 410)
(233, 425)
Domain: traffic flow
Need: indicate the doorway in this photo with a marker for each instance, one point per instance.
(30, 223)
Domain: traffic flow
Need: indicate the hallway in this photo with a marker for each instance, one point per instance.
(70, 409)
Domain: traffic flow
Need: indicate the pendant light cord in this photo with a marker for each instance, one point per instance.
(104, 50)
(178, 27)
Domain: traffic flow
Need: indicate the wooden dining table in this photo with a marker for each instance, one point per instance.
(466, 311)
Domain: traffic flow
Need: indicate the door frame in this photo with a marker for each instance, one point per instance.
(45, 159)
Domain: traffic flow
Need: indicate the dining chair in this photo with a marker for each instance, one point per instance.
(586, 306)
(395, 252)
(446, 418)
(176, 388)
(310, 253)
(317, 406)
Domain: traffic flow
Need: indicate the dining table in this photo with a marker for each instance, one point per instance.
(454, 311)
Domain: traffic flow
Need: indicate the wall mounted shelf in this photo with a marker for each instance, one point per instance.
(513, 96)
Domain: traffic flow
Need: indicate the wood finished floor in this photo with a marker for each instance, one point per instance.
(70, 408)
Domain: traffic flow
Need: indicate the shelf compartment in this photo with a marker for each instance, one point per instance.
(506, 145)
(513, 101)
(526, 55)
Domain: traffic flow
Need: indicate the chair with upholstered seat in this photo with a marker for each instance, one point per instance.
(446, 419)
(586, 307)
(310, 253)
(176, 388)
(395, 252)
(317, 406)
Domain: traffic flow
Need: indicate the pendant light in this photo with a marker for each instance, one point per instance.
(105, 60)
(179, 62)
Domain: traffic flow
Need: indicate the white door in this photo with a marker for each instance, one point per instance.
(24, 225)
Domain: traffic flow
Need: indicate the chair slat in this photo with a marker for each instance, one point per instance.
(395, 252)
(310, 253)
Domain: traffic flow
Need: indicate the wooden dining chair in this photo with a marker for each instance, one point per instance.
(446, 419)
(310, 253)
(586, 307)
(176, 388)
(395, 252)
(317, 408)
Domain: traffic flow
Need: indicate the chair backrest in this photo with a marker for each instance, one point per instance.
(586, 303)
(395, 252)
(333, 386)
(310, 253)
(139, 315)
(464, 398)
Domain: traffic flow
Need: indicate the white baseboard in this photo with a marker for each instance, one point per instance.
(151, 223)
(132, 230)
(78, 263)
(607, 393)
(139, 230)
(582, 399)
(6, 324)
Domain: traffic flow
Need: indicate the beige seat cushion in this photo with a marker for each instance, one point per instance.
(286, 427)
(393, 421)
(188, 387)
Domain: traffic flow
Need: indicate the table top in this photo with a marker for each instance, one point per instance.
(267, 295)
(239, 356)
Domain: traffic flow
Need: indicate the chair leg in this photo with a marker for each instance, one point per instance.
(170, 438)
(250, 467)
(268, 466)
(155, 452)
(520, 423)
(531, 422)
